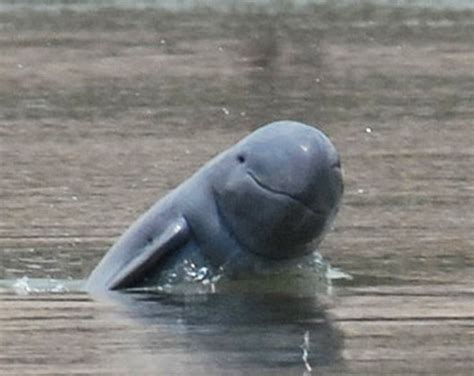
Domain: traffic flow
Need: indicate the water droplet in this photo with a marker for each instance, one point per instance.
(201, 274)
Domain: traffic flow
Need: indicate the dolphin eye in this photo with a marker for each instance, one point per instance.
(241, 158)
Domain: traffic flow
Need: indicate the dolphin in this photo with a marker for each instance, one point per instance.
(270, 197)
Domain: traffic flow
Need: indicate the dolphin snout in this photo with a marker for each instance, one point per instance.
(303, 166)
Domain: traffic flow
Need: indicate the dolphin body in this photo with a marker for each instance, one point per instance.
(269, 197)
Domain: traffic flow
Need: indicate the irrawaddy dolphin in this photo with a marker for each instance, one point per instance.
(269, 197)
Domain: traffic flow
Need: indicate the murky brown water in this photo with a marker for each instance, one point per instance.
(102, 111)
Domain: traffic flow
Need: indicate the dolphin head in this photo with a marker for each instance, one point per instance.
(281, 189)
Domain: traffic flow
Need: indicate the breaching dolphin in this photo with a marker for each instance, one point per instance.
(269, 197)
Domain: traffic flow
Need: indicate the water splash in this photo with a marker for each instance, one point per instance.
(29, 286)
(190, 276)
(306, 276)
(333, 274)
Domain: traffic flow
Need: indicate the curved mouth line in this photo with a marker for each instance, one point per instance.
(286, 194)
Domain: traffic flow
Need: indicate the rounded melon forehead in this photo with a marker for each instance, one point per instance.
(282, 185)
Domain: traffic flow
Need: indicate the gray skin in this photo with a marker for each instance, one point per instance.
(270, 197)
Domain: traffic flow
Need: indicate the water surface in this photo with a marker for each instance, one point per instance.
(104, 110)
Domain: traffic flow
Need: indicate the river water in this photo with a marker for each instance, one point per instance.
(105, 109)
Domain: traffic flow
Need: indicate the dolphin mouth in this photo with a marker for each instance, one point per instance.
(283, 193)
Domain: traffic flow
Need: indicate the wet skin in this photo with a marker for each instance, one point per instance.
(270, 197)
